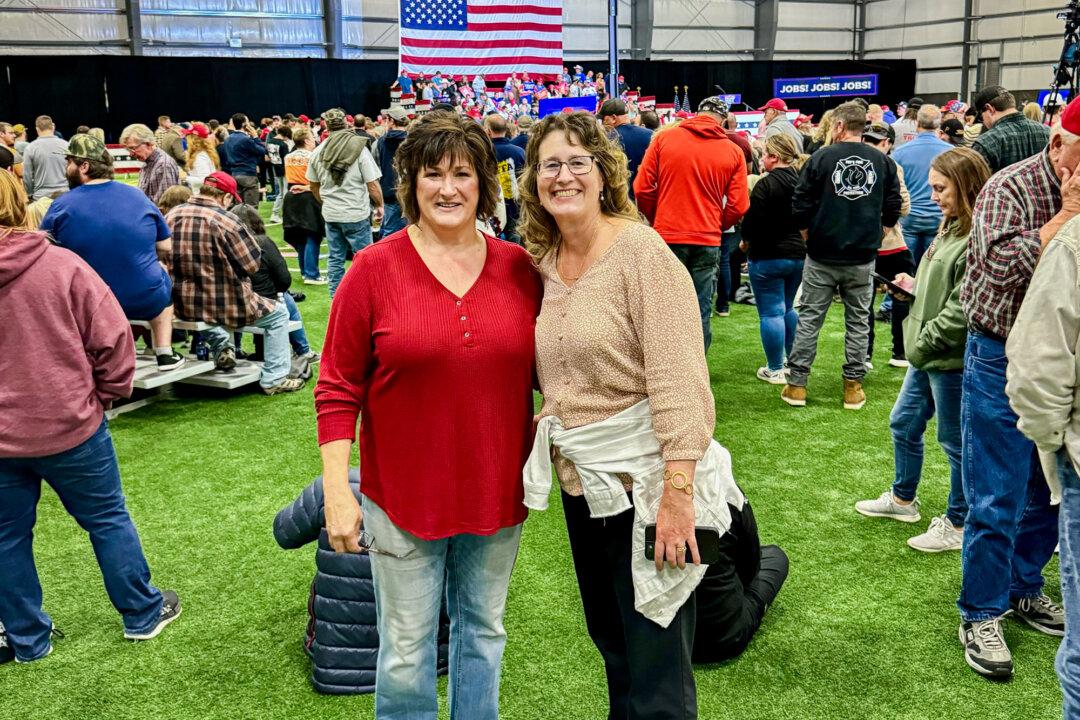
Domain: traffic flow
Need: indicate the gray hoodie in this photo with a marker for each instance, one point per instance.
(45, 167)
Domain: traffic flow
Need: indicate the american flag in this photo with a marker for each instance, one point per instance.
(492, 38)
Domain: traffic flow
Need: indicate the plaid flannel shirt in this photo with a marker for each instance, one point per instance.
(213, 259)
(1004, 245)
(1012, 139)
(158, 173)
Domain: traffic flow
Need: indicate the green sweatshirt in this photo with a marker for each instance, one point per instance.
(935, 331)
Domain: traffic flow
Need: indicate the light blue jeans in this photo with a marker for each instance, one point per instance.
(341, 236)
(392, 220)
(408, 592)
(1068, 656)
(923, 395)
(276, 352)
(775, 283)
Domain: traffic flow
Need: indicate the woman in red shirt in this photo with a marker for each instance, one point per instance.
(431, 341)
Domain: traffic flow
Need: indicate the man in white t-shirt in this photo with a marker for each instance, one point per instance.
(344, 177)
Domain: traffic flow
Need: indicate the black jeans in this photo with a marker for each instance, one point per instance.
(700, 262)
(890, 266)
(649, 670)
(734, 594)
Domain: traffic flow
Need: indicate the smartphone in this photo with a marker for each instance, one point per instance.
(899, 289)
(708, 543)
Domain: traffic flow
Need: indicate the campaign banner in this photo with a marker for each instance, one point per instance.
(818, 87)
(550, 106)
(751, 121)
(731, 98)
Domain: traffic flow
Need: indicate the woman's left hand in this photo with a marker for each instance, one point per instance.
(675, 528)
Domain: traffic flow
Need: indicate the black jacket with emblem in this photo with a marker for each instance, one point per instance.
(847, 193)
(342, 638)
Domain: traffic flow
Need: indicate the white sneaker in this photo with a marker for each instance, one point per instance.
(869, 366)
(316, 281)
(773, 377)
(275, 220)
(899, 362)
(886, 506)
(939, 537)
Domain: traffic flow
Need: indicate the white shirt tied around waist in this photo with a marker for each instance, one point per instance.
(626, 444)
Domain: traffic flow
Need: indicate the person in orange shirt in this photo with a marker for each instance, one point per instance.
(695, 193)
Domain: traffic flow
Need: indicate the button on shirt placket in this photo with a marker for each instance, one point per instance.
(463, 320)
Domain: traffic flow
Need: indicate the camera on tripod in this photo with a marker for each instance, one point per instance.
(1065, 75)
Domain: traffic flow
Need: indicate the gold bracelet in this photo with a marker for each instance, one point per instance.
(685, 485)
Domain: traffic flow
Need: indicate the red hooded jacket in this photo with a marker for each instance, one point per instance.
(691, 185)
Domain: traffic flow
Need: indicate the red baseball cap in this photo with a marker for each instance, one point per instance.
(198, 129)
(802, 120)
(774, 104)
(304, 118)
(1070, 117)
(223, 182)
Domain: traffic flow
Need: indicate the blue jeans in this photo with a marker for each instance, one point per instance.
(723, 270)
(276, 355)
(700, 262)
(297, 338)
(341, 236)
(1011, 528)
(392, 220)
(87, 480)
(924, 394)
(308, 259)
(1068, 656)
(918, 238)
(775, 283)
(408, 593)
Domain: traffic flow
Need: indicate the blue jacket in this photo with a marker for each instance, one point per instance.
(342, 637)
(387, 147)
(915, 157)
(635, 141)
(244, 153)
(511, 159)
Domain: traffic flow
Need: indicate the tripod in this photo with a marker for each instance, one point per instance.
(1065, 72)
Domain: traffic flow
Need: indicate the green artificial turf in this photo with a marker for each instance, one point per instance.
(864, 627)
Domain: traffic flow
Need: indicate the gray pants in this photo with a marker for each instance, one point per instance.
(819, 282)
(249, 189)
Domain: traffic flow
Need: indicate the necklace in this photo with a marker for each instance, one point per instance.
(584, 263)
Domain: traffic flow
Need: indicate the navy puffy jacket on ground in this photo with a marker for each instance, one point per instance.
(342, 638)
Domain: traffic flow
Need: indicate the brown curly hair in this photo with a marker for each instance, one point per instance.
(538, 229)
(434, 138)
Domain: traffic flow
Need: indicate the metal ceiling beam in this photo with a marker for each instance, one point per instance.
(333, 29)
(641, 28)
(965, 53)
(766, 20)
(134, 26)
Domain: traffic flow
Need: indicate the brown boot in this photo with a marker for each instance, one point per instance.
(854, 397)
(794, 395)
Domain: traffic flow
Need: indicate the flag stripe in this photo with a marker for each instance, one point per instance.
(514, 27)
(504, 42)
(516, 9)
(431, 55)
(484, 62)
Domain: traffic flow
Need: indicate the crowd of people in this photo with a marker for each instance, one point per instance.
(586, 254)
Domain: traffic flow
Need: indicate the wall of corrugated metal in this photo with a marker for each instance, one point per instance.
(682, 30)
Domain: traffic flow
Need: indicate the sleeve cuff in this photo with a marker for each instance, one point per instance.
(338, 426)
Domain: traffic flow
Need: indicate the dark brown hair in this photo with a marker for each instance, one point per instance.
(538, 229)
(434, 138)
(174, 196)
(968, 171)
(101, 169)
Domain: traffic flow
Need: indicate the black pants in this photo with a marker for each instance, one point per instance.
(890, 266)
(649, 671)
(734, 594)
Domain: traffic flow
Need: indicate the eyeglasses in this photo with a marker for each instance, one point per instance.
(578, 165)
(366, 542)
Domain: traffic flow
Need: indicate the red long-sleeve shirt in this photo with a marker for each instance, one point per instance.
(443, 385)
(691, 184)
(65, 347)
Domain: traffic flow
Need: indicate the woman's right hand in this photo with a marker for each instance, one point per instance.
(343, 519)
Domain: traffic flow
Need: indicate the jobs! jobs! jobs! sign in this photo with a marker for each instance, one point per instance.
(814, 87)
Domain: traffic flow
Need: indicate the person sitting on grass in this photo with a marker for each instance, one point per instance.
(342, 638)
(65, 359)
(272, 281)
(213, 259)
(124, 245)
(935, 335)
